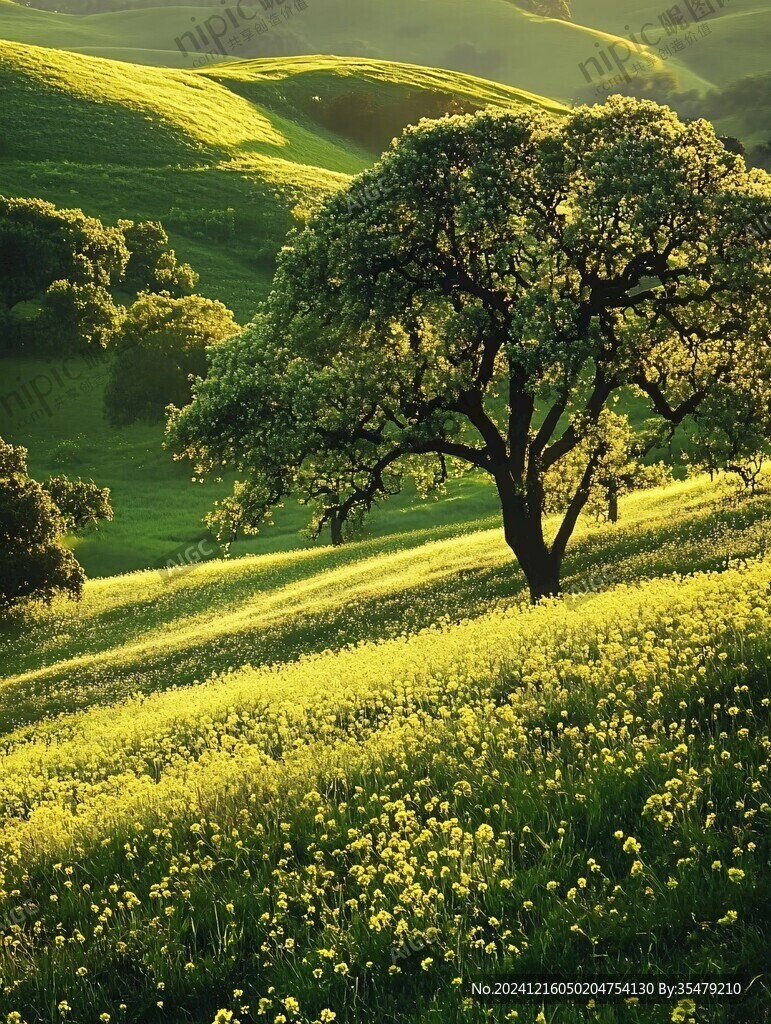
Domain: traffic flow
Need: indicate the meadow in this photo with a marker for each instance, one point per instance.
(429, 792)
(307, 784)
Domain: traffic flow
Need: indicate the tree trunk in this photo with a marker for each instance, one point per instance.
(613, 503)
(543, 575)
(523, 530)
(336, 526)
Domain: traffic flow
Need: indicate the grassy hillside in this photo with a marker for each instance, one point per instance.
(151, 630)
(493, 38)
(125, 141)
(137, 142)
(553, 785)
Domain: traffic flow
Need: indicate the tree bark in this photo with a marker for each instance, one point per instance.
(336, 526)
(613, 503)
(523, 530)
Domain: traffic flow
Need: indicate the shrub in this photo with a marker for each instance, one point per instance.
(162, 342)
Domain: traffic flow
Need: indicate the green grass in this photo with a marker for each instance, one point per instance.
(148, 631)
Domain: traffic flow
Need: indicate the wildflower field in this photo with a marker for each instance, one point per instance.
(355, 834)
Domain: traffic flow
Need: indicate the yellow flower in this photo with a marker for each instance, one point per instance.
(485, 834)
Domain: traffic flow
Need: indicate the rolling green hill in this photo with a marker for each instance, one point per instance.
(119, 141)
(493, 38)
(127, 141)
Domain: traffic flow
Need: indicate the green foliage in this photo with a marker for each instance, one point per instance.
(66, 262)
(220, 224)
(40, 244)
(733, 429)
(161, 343)
(619, 468)
(489, 268)
(81, 503)
(72, 315)
(547, 8)
(153, 265)
(33, 562)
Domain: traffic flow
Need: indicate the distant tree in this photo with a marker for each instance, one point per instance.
(74, 315)
(553, 9)
(40, 244)
(509, 274)
(153, 265)
(161, 343)
(33, 561)
(547, 8)
(733, 425)
(82, 504)
(620, 468)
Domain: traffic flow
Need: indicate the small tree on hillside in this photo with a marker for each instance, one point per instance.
(161, 343)
(507, 275)
(74, 315)
(733, 426)
(33, 561)
(153, 264)
(620, 468)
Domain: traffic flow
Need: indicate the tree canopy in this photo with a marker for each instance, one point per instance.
(33, 520)
(479, 297)
(66, 263)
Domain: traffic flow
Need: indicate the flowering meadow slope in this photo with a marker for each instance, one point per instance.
(351, 837)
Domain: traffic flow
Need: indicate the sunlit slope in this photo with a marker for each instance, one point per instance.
(734, 42)
(149, 631)
(91, 110)
(552, 786)
(493, 38)
(282, 78)
(123, 140)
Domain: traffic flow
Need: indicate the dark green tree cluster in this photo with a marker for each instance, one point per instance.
(65, 262)
(68, 265)
(34, 518)
(152, 265)
(480, 298)
(70, 268)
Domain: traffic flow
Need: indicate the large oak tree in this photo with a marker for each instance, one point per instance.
(480, 296)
